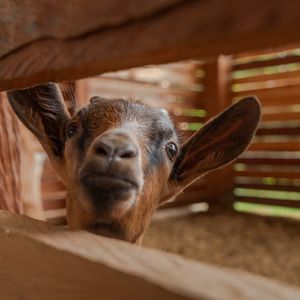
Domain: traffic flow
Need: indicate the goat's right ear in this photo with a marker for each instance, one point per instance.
(42, 110)
(217, 143)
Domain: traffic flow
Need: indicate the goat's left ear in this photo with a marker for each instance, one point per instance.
(217, 143)
(42, 110)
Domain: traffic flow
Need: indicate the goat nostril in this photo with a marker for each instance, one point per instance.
(103, 149)
(127, 154)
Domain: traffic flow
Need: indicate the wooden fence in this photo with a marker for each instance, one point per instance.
(268, 174)
(193, 92)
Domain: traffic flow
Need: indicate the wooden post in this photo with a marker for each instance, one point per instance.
(9, 159)
(218, 98)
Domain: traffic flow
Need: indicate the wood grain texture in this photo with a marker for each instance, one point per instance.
(43, 41)
(9, 159)
(40, 261)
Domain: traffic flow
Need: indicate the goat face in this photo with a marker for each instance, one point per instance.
(117, 153)
(120, 159)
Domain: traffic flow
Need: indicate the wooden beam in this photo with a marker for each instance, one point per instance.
(40, 261)
(10, 181)
(51, 41)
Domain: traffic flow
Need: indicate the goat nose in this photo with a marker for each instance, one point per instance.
(114, 147)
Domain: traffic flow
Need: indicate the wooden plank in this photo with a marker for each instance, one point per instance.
(278, 131)
(285, 203)
(167, 101)
(56, 203)
(62, 264)
(138, 88)
(272, 174)
(54, 195)
(267, 51)
(288, 188)
(154, 75)
(284, 116)
(268, 94)
(272, 99)
(135, 35)
(164, 99)
(267, 77)
(270, 84)
(32, 24)
(268, 161)
(187, 119)
(276, 146)
(50, 186)
(267, 63)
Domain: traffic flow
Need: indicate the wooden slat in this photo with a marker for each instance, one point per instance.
(54, 195)
(54, 204)
(276, 146)
(272, 174)
(168, 101)
(267, 63)
(187, 119)
(269, 161)
(270, 84)
(285, 203)
(278, 131)
(283, 49)
(51, 186)
(268, 94)
(285, 116)
(162, 76)
(136, 88)
(262, 186)
(137, 76)
(267, 77)
(115, 38)
(275, 100)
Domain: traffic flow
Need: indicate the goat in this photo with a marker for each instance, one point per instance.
(120, 160)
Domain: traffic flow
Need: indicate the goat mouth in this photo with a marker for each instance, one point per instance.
(106, 181)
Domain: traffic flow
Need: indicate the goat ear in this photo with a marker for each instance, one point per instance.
(42, 110)
(216, 144)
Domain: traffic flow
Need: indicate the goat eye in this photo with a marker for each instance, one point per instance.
(172, 150)
(71, 130)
